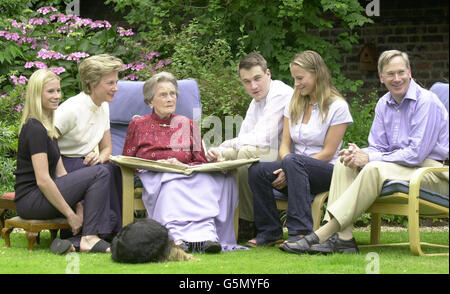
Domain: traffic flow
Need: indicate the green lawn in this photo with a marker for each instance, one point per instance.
(393, 260)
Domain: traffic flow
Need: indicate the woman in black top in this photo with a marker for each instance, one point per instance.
(43, 188)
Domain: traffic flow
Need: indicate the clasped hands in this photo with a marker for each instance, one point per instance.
(353, 156)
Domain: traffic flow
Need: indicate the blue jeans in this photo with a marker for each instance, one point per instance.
(305, 177)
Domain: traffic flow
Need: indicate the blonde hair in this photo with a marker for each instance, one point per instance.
(33, 101)
(150, 85)
(93, 68)
(386, 57)
(324, 92)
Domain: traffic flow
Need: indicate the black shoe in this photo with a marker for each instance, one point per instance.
(301, 246)
(335, 245)
(184, 246)
(212, 247)
(246, 231)
(201, 247)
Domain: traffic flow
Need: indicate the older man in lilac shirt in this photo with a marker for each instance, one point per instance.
(410, 130)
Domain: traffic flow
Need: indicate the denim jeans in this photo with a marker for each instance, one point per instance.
(305, 177)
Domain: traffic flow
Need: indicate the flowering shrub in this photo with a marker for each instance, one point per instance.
(47, 38)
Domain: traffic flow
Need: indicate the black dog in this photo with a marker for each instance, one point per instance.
(143, 241)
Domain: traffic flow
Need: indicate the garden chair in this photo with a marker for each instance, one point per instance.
(129, 102)
(409, 199)
(316, 205)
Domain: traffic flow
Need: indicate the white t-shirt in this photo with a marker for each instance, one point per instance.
(309, 138)
(263, 123)
(82, 125)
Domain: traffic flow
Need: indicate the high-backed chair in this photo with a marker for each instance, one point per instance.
(129, 102)
(411, 200)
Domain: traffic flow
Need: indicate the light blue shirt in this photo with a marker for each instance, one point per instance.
(409, 133)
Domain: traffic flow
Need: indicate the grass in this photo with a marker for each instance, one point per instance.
(392, 260)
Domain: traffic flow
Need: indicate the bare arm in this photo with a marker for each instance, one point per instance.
(286, 141)
(105, 150)
(60, 169)
(332, 139)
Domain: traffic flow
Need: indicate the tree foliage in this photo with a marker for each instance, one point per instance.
(277, 29)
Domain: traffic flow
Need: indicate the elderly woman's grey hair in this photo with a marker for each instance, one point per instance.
(150, 85)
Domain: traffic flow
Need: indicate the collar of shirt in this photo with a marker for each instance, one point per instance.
(411, 94)
(91, 105)
(162, 121)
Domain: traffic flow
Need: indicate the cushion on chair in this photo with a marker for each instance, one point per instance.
(9, 196)
(441, 90)
(129, 101)
(390, 187)
(279, 195)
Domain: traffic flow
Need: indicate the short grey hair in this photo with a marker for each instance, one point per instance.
(150, 85)
(386, 57)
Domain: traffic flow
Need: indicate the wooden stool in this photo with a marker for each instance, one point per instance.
(33, 228)
(6, 203)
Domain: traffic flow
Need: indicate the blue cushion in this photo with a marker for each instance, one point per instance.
(390, 187)
(441, 90)
(129, 101)
(279, 195)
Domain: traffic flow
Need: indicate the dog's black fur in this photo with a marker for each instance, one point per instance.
(142, 241)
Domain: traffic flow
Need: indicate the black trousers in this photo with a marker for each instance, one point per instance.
(114, 189)
(305, 177)
(89, 184)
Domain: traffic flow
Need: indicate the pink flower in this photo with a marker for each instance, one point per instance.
(37, 64)
(18, 80)
(57, 70)
(22, 80)
(50, 54)
(77, 56)
(46, 9)
(37, 21)
(123, 32)
(150, 55)
(19, 108)
(14, 79)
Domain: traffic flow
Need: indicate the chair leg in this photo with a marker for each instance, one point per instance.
(6, 232)
(236, 222)
(317, 207)
(53, 234)
(2, 218)
(375, 228)
(31, 237)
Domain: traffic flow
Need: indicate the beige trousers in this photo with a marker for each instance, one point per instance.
(241, 174)
(352, 191)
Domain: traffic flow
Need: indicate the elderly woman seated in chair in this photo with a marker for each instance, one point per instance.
(197, 209)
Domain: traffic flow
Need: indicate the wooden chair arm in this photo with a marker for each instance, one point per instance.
(413, 206)
(127, 194)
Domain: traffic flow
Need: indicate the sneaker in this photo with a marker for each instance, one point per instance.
(335, 245)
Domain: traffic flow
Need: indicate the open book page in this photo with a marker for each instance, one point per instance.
(152, 165)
